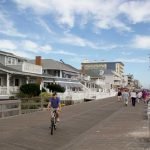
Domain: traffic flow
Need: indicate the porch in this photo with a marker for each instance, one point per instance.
(7, 92)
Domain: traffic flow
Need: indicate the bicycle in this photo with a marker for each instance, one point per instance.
(53, 121)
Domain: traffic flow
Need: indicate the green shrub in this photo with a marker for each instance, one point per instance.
(30, 89)
(45, 95)
(56, 88)
(21, 95)
(11, 97)
(43, 90)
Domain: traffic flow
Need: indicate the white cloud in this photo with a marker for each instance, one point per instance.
(62, 52)
(6, 44)
(35, 47)
(26, 46)
(136, 11)
(46, 48)
(141, 42)
(77, 41)
(44, 25)
(132, 60)
(30, 46)
(102, 13)
(7, 26)
(126, 53)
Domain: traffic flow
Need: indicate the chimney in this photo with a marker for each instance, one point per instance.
(38, 60)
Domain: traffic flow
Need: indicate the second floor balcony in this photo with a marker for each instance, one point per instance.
(27, 67)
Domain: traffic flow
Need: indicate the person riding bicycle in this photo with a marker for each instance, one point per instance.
(54, 104)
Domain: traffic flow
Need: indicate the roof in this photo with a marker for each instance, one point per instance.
(5, 68)
(56, 65)
(11, 55)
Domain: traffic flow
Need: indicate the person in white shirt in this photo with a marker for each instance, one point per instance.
(139, 96)
(133, 97)
(125, 97)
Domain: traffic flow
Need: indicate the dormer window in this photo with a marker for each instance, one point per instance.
(11, 61)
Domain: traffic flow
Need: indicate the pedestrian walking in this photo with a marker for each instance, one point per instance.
(119, 95)
(125, 97)
(139, 96)
(144, 95)
(133, 97)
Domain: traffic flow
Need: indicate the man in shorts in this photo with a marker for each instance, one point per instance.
(54, 104)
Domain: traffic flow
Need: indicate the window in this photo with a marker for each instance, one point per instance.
(16, 82)
(11, 61)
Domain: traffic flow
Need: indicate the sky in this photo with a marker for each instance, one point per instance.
(75, 30)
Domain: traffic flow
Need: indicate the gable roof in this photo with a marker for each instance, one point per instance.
(7, 69)
(12, 55)
(56, 65)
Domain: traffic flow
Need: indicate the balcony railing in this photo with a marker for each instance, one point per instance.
(27, 67)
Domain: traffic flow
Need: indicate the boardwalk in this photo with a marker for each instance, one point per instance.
(97, 125)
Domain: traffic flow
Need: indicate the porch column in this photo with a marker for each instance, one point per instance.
(60, 74)
(27, 80)
(8, 83)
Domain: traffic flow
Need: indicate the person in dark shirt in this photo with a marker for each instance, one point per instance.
(119, 94)
(54, 104)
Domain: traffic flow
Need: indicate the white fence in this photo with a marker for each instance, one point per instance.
(10, 108)
(77, 96)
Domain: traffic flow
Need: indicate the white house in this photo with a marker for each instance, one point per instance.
(16, 71)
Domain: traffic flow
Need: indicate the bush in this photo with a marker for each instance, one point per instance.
(21, 95)
(43, 90)
(11, 97)
(45, 96)
(30, 89)
(56, 88)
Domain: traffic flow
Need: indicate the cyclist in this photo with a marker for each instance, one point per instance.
(54, 104)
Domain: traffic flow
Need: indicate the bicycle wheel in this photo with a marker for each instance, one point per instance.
(52, 127)
(55, 124)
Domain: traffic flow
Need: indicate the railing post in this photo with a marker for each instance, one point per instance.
(3, 105)
(19, 106)
(41, 103)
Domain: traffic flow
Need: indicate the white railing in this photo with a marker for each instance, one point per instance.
(32, 68)
(77, 96)
(27, 67)
(12, 89)
(3, 90)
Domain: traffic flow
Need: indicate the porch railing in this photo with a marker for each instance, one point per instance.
(3, 90)
(12, 89)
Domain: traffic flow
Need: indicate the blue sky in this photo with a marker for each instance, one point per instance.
(75, 30)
